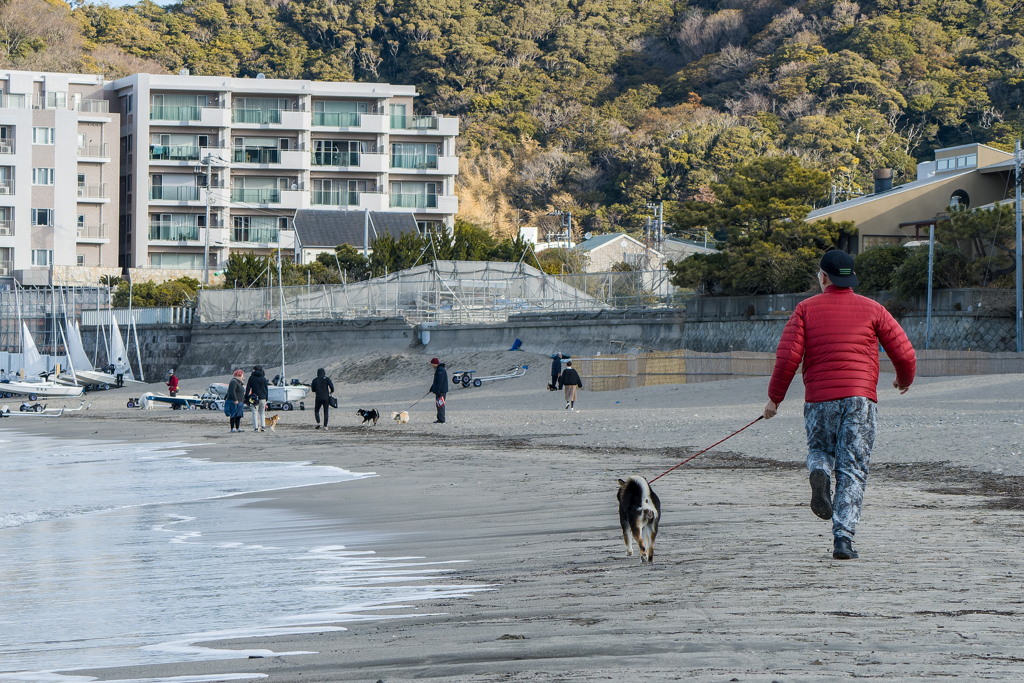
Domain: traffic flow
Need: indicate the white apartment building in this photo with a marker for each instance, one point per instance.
(58, 181)
(273, 146)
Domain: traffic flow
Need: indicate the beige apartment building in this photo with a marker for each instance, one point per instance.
(58, 179)
(973, 176)
(270, 148)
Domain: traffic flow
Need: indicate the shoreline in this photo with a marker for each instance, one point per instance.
(743, 583)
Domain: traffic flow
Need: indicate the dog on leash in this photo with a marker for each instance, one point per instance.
(401, 418)
(272, 422)
(368, 415)
(639, 512)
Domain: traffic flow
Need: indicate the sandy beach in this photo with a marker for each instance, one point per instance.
(743, 586)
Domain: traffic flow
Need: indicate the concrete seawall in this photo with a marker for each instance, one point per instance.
(202, 350)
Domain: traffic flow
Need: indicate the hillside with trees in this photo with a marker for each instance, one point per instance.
(600, 106)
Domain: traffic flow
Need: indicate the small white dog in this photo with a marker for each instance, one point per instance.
(400, 418)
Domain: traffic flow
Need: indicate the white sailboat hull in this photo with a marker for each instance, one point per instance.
(274, 394)
(86, 377)
(41, 389)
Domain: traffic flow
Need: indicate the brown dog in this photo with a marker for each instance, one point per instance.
(272, 422)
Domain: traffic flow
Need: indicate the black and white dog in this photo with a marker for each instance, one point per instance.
(368, 415)
(639, 512)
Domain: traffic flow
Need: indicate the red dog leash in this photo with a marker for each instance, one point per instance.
(761, 417)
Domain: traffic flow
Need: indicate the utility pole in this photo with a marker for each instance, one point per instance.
(931, 261)
(208, 162)
(1017, 256)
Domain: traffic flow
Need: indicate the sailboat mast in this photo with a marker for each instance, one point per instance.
(280, 294)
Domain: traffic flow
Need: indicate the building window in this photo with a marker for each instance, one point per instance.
(42, 257)
(129, 105)
(81, 221)
(80, 259)
(955, 163)
(42, 176)
(42, 217)
(42, 136)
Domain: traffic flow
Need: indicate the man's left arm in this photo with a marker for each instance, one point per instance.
(899, 349)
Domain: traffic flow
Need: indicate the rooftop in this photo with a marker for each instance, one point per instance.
(329, 228)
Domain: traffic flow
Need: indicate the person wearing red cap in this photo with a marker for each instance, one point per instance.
(439, 388)
(836, 335)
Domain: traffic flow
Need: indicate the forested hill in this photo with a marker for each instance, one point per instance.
(600, 105)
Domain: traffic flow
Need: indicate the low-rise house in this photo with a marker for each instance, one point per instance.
(320, 231)
(604, 252)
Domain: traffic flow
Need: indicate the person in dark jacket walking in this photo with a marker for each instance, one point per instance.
(570, 380)
(439, 388)
(323, 387)
(256, 397)
(233, 400)
(836, 335)
(556, 370)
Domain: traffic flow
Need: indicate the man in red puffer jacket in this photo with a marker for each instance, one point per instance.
(836, 336)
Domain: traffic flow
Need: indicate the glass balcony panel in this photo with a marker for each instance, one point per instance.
(260, 235)
(336, 119)
(257, 155)
(173, 153)
(239, 115)
(334, 198)
(256, 196)
(161, 112)
(413, 122)
(335, 158)
(179, 193)
(414, 161)
(173, 232)
(414, 201)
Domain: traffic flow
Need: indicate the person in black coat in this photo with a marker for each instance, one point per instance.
(556, 370)
(570, 380)
(256, 396)
(323, 387)
(439, 388)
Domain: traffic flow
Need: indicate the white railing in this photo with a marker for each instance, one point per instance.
(168, 315)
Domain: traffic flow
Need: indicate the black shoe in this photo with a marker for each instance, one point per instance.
(821, 496)
(843, 549)
(438, 422)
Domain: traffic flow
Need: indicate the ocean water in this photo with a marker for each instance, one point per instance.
(118, 553)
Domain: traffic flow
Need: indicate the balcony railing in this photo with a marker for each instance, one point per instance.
(257, 155)
(414, 201)
(6, 267)
(101, 150)
(336, 119)
(173, 233)
(239, 115)
(334, 198)
(93, 106)
(173, 153)
(256, 196)
(174, 193)
(93, 231)
(7, 227)
(419, 161)
(413, 122)
(161, 112)
(258, 235)
(93, 191)
(6, 145)
(6, 185)
(335, 158)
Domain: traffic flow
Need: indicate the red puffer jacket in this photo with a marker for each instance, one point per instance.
(836, 335)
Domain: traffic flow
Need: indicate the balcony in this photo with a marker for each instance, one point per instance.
(92, 232)
(92, 106)
(6, 185)
(346, 159)
(173, 233)
(337, 119)
(174, 193)
(258, 116)
(257, 235)
(334, 198)
(6, 268)
(414, 201)
(6, 145)
(256, 196)
(160, 112)
(430, 125)
(173, 153)
(101, 151)
(414, 161)
(256, 155)
(7, 228)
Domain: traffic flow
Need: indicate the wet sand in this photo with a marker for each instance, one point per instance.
(743, 585)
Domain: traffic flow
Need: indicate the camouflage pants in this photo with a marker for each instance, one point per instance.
(840, 435)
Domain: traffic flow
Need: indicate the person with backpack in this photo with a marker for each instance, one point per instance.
(323, 387)
(256, 396)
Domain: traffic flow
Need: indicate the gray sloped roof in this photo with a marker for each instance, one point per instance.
(329, 228)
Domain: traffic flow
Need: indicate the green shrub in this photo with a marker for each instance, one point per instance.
(949, 271)
(877, 265)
